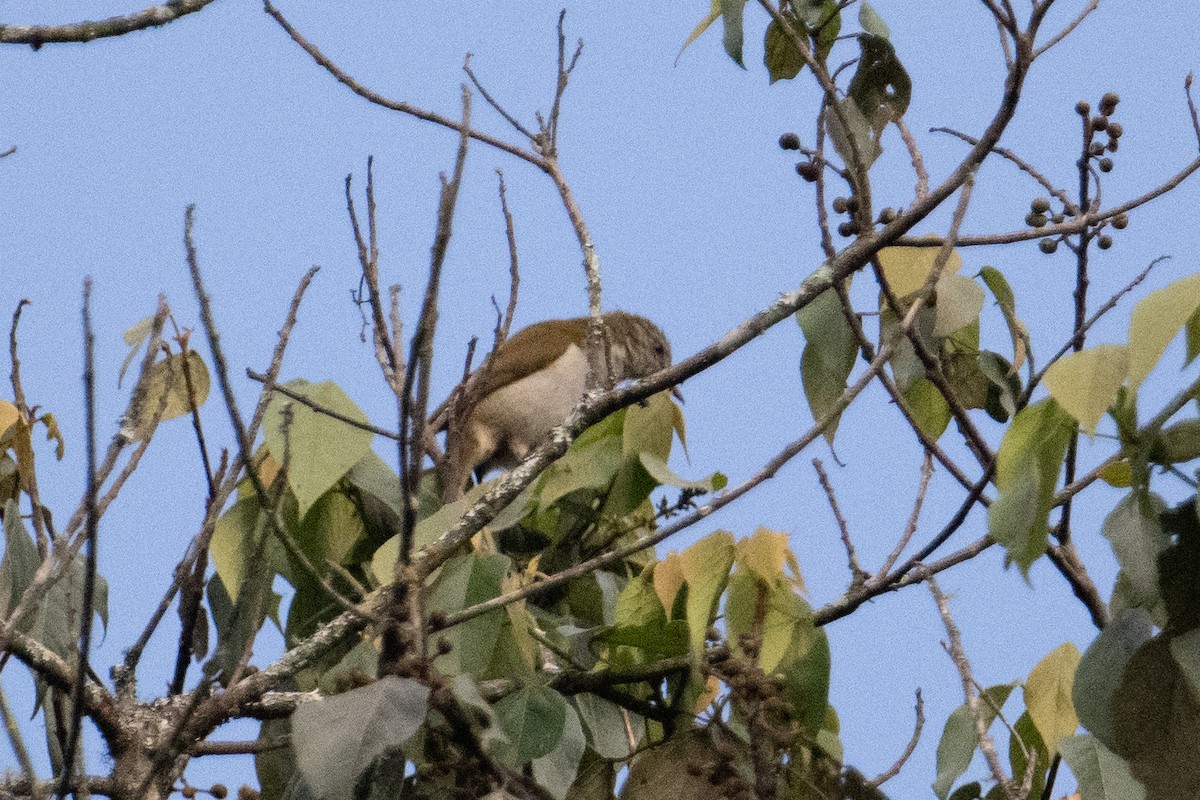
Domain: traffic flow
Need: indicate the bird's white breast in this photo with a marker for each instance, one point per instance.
(521, 414)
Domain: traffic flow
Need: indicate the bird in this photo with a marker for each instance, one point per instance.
(533, 380)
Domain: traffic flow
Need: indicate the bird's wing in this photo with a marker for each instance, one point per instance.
(529, 350)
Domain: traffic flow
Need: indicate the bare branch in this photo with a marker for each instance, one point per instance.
(955, 649)
(152, 17)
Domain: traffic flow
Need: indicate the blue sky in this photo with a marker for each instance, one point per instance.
(698, 217)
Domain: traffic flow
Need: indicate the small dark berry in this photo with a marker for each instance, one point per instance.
(1048, 245)
(847, 229)
(1115, 130)
(1104, 241)
(841, 205)
(1035, 220)
(1095, 149)
(887, 216)
(1083, 108)
(219, 791)
(789, 141)
(1099, 123)
(1040, 205)
(1120, 221)
(1108, 103)
(807, 170)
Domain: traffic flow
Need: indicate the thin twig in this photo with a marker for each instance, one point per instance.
(910, 527)
(405, 108)
(894, 770)
(857, 574)
(270, 386)
(91, 530)
(955, 649)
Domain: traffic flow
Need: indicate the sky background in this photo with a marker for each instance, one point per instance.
(699, 221)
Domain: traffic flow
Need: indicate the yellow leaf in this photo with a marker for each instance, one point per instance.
(907, 268)
(1085, 384)
(668, 580)
(1048, 695)
(1155, 320)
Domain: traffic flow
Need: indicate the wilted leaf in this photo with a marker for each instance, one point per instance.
(162, 393)
(880, 88)
(1048, 695)
(1155, 320)
(337, 738)
(1085, 383)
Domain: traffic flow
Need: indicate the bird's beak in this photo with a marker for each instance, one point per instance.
(678, 395)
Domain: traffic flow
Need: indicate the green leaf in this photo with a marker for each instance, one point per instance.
(1155, 320)
(960, 737)
(1100, 670)
(829, 352)
(1156, 723)
(780, 54)
(1137, 539)
(705, 567)
(1027, 467)
(959, 303)
(731, 16)
(996, 282)
(338, 737)
(852, 139)
(1085, 383)
(1027, 739)
(533, 718)
(20, 559)
(556, 770)
(1177, 443)
(870, 21)
(605, 724)
(1102, 774)
(317, 448)
(1048, 694)
(462, 582)
(929, 409)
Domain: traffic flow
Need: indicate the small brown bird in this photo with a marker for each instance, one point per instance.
(535, 379)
